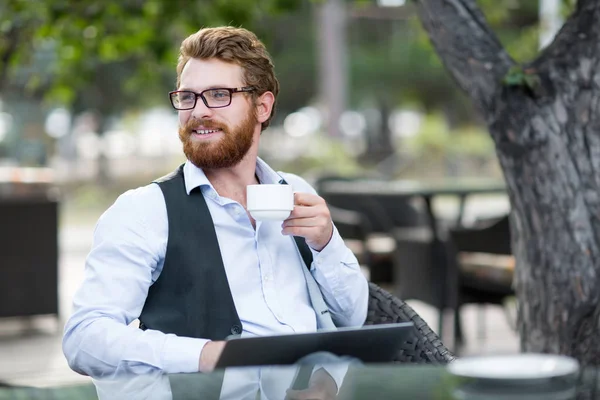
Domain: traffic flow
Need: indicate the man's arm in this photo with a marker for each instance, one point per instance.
(335, 268)
(343, 285)
(126, 258)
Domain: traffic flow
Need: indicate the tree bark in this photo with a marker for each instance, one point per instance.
(547, 142)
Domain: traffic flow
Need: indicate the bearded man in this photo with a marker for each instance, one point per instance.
(184, 257)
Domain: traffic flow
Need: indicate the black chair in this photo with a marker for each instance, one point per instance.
(423, 271)
(383, 214)
(430, 270)
(491, 236)
(29, 248)
(354, 228)
(424, 346)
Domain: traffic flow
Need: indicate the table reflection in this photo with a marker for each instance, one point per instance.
(317, 376)
(358, 382)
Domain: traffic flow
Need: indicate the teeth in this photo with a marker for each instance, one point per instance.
(206, 131)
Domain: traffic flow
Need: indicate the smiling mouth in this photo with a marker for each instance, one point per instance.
(205, 131)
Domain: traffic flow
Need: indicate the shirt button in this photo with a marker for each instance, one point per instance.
(236, 329)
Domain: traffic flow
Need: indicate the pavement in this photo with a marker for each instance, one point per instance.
(31, 353)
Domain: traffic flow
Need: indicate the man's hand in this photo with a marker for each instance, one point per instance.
(311, 220)
(210, 355)
(320, 387)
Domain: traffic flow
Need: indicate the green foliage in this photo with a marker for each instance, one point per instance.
(85, 52)
(516, 23)
(133, 43)
(517, 76)
(392, 62)
(435, 139)
(522, 44)
(291, 40)
(567, 7)
(329, 156)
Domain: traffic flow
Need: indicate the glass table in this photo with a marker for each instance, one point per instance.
(319, 381)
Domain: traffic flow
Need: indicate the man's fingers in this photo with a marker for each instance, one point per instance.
(308, 222)
(306, 394)
(303, 231)
(307, 199)
(309, 212)
(302, 212)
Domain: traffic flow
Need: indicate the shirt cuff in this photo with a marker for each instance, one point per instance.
(182, 354)
(336, 371)
(332, 264)
(331, 252)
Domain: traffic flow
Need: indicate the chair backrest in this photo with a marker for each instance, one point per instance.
(424, 346)
(422, 270)
(29, 248)
(492, 237)
(378, 218)
(350, 224)
(384, 213)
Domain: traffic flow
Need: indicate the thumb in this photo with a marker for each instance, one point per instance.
(305, 394)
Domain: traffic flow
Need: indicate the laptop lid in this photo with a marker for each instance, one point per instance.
(370, 344)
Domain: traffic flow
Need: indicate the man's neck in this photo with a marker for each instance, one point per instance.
(232, 182)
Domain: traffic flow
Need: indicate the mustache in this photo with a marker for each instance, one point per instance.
(194, 124)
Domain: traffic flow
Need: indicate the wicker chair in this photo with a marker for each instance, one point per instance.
(425, 346)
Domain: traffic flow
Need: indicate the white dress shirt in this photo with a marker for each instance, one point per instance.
(262, 265)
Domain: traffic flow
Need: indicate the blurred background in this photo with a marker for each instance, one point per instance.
(84, 116)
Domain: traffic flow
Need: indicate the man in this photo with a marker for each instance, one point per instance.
(185, 257)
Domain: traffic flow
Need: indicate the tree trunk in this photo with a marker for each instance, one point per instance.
(379, 138)
(545, 123)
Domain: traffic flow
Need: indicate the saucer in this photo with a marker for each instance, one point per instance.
(270, 215)
(515, 368)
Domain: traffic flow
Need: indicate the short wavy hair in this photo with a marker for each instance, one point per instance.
(238, 46)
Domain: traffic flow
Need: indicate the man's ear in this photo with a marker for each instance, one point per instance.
(264, 106)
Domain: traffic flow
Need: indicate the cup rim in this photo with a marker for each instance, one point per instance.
(270, 209)
(268, 184)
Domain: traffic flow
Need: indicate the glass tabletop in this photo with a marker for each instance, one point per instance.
(336, 380)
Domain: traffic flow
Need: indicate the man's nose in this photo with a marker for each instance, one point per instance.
(201, 111)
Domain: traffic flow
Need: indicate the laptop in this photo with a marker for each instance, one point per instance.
(370, 344)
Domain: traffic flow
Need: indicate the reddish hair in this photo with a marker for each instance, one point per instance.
(238, 46)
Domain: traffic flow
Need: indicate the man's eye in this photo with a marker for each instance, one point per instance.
(186, 97)
(219, 94)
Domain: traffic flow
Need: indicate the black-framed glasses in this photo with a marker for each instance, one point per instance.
(212, 98)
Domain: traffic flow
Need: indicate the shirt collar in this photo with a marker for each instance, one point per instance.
(266, 174)
(194, 177)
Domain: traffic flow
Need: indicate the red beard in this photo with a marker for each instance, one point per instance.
(225, 152)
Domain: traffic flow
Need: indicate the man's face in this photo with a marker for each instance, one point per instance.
(216, 137)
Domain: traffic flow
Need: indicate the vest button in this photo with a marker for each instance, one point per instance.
(236, 329)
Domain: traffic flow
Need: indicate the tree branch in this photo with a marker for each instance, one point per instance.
(467, 46)
(576, 46)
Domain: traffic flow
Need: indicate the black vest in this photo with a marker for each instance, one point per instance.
(192, 297)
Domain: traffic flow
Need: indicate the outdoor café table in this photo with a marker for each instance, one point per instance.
(461, 189)
(406, 190)
(371, 382)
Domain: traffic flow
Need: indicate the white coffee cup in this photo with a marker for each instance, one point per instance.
(269, 202)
